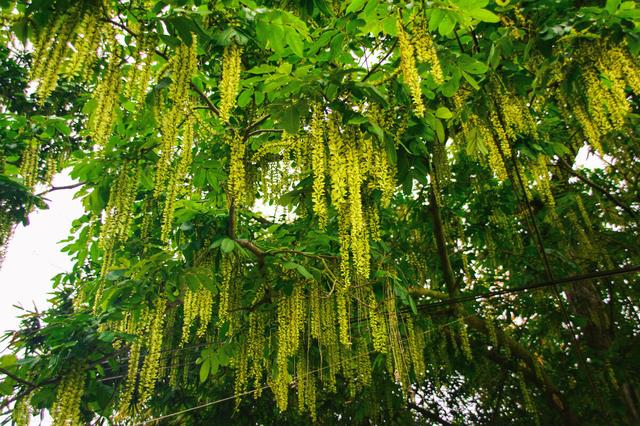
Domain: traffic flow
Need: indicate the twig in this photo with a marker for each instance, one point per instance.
(377, 65)
(16, 378)
(59, 188)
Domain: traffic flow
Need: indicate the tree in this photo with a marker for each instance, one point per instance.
(433, 253)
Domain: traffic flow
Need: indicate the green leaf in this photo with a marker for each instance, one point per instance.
(62, 127)
(303, 271)
(484, 15)
(245, 98)
(107, 336)
(129, 106)
(447, 24)
(227, 245)
(436, 18)
(355, 6)
(471, 80)
(444, 113)
(440, 130)
(612, 5)
(295, 43)
(473, 66)
(262, 69)
(290, 119)
(205, 368)
(7, 360)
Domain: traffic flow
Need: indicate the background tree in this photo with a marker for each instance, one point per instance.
(435, 254)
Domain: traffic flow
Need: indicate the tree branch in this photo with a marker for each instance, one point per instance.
(59, 188)
(380, 62)
(598, 188)
(16, 378)
(428, 414)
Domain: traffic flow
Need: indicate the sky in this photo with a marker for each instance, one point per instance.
(34, 256)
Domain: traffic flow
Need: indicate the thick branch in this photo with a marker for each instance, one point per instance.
(441, 243)
(420, 291)
(477, 323)
(554, 396)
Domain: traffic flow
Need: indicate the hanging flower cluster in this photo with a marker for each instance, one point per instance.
(231, 67)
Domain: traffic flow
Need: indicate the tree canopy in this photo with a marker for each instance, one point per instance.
(362, 212)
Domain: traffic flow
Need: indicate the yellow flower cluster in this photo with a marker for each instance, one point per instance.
(583, 238)
(426, 51)
(441, 170)
(607, 70)
(397, 358)
(196, 304)
(329, 341)
(416, 343)
(105, 97)
(383, 176)
(29, 163)
(140, 72)
(279, 176)
(230, 81)
(50, 49)
(342, 306)
(542, 178)
(66, 409)
(291, 315)
(526, 396)
(409, 70)
(126, 395)
(500, 132)
(118, 213)
(176, 179)
(21, 414)
(183, 64)
(491, 329)
(591, 132)
(516, 117)
(464, 339)
(363, 365)
(51, 168)
(583, 212)
(319, 166)
(137, 326)
(88, 35)
(291, 320)
(358, 232)
(306, 388)
(596, 95)
(338, 167)
(256, 343)
(237, 175)
(315, 313)
(495, 157)
(240, 366)
(373, 223)
(150, 371)
(618, 62)
(226, 296)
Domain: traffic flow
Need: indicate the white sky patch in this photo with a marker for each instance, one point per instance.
(34, 257)
(588, 160)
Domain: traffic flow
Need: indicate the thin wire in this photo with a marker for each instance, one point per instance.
(426, 306)
(218, 401)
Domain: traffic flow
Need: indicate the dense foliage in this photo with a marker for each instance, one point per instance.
(328, 210)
